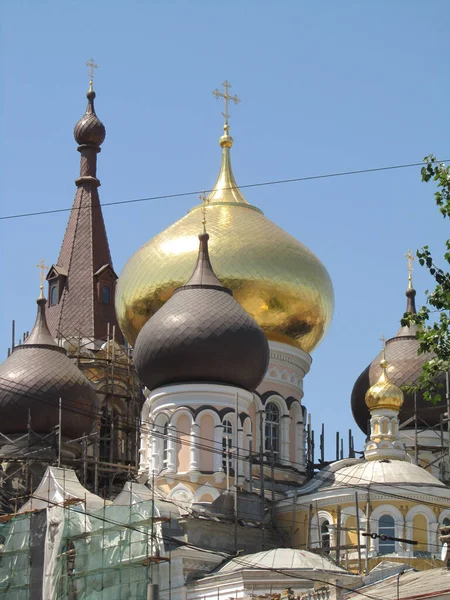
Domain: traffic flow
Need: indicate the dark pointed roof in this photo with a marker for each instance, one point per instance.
(405, 367)
(201, 334)
(84, 264)
(203, 273)
(33, 378)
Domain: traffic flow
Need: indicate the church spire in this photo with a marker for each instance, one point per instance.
(226, 189)
(411, 328)
(384, 401)
(82, 282)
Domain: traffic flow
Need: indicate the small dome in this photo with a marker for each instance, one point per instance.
(33, 379)
(89, 129)
(201, 334)
(383, 472)
(383, 393)
(281, 558)
(404, 369)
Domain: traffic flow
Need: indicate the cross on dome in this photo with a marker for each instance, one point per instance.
(205, 201)
(43, 267)
(227, 98)
(410, 258)
(91, 64)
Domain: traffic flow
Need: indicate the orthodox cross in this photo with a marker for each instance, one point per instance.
(226, 96)
(43, 267)
(91, 64)
(383, 347)
(410, 258)
(205, 202)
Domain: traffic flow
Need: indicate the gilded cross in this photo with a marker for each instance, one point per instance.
(205, 201)
(91, 64)
(226, 96)
(43, 267)
(410, 258)
(383, 347)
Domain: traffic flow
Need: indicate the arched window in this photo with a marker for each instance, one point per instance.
(165, 444)
(272, 428)
(446, 522)
(106, 294)
(386, 526)
(53, 295)
(227, 442)
(325, 534)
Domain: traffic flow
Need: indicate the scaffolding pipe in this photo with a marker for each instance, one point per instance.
(59, 432)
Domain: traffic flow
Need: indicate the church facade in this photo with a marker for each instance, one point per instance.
(183, 377)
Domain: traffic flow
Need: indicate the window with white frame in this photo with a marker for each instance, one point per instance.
(325, 534)
(386, 527)
(272, 428)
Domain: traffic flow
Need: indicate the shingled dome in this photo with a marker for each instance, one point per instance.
(405, 367)
(89, 129)
(33, 379)
(202, 334)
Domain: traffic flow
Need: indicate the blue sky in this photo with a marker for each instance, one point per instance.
(325, 87)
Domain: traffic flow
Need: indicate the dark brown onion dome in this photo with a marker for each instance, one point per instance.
(405, 368)
(89, 130)
(33, 378)
(202, 334)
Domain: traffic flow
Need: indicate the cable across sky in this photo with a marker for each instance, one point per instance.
(246, 186)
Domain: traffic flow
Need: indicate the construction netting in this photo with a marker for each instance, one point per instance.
(69, 552)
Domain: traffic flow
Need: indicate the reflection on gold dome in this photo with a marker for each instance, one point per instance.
(384, 393)
(277, 279)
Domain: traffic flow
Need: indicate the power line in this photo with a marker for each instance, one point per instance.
(246, 186)
(207, 448)
(244, 563)
(179, 543)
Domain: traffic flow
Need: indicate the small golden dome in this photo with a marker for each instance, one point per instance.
(384, 393)
(279, 281)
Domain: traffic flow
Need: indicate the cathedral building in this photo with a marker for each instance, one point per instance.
(288, 292)
(76, 340)
(166, 409)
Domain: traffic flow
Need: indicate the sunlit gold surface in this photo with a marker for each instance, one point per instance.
(383, 393)
(277, 279)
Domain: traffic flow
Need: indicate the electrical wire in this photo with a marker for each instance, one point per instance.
(179, 543)
(244, 563)
(208, 448)
(249, 185)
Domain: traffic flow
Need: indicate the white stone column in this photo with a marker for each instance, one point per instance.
(240, 446)
(284, 433)
(299, 445)
(156, 466)
(171, 449)
(194, 450)
(399, 532)
(409, 527)
(433, 541)
(217, 459)
(144, 459)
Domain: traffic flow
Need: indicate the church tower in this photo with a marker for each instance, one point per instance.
(82, 283)
(81, 318)
(279, 282)
(419, 420)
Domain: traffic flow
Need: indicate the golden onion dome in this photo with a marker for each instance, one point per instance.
(279, 281)
(384, 393)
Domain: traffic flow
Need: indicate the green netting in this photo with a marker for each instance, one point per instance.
(14, 559)
(93, 555)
